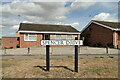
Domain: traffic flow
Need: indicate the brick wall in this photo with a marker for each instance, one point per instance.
(118, 44)
(26, 44)
(97, 34)
(9, 42)
(117, 39)
(63, 36)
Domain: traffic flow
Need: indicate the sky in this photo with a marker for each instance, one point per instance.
(76, 13)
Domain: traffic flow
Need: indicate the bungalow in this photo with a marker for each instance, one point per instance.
(30, 34)
(101, 33)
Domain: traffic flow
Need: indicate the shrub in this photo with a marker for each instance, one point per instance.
(18, 45)
(69, 56)
(86, 43)
(111, 57)
(101, 57)
(4, 47)
(110, 45)
(97, 45)
(11, 48)
(7, 47)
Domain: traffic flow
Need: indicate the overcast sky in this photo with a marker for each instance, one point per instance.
(75, 13)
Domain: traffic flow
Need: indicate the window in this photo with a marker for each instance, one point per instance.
(30, 37)
(69, 37)
(26, 37)
(45, 37)
(58, 37)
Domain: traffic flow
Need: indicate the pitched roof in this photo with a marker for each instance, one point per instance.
(110, 24)
(46, 27)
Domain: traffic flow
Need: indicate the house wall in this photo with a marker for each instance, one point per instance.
(17, 34)
(116, 39)
(97, 34)
(9, 42)
(63, 36)
(26, 44)
(119, 44)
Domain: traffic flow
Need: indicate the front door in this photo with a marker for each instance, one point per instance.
(47, 36)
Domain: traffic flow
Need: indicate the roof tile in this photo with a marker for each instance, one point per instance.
(46, 27)
(110, 24)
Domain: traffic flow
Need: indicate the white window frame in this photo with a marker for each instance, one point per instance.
(28, 37)
(59, 37)
(69, 37)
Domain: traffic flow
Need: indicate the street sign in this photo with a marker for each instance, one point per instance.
(61, 42)
(49, 43)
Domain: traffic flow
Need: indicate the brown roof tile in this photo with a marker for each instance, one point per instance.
(46, 27)
(110, 24)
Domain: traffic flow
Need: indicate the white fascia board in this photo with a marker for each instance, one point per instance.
(100, 25)
(86, 26)
(49, 32)
(117, 29)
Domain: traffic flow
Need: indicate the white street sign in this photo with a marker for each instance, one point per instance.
(61, 42)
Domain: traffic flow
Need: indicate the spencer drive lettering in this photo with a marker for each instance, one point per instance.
(61, 42)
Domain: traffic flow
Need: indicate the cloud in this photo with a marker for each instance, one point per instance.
(9, 22)
(31, 12)
(75, 24)
(36, 11)
(42, 12)
(15, 27)
(106, 17)
(1, 26)
(73, 0)
(77, 5)
(85, 4)
(61, 17)
(97, 1)
(26, 22)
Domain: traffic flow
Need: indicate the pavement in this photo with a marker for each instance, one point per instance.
(60, 52)
(62, 56)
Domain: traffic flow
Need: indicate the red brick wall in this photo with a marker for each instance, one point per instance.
(9, 42)
(26, 44)
(97, 34)
(118, 44)
(118, 38)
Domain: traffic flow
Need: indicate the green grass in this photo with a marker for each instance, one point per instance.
(69, 56)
